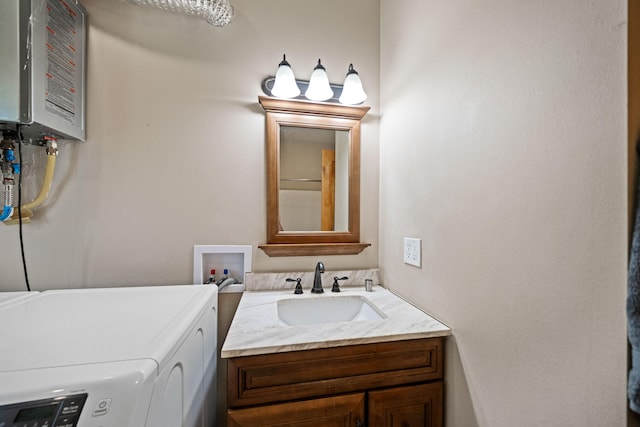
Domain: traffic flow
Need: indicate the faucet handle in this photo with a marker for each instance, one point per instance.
(336, 285)
(298, 289)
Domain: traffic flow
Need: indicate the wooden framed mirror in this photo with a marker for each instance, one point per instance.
(313, 178)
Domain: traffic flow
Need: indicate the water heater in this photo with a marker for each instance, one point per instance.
(42, 67)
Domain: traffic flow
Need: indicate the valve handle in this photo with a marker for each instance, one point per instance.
(336, 285)
(298, 289)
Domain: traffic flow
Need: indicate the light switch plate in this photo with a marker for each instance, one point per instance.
(413, 251)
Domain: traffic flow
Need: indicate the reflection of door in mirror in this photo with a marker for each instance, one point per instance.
(314, 179)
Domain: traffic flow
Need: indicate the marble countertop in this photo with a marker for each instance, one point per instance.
(256, 329)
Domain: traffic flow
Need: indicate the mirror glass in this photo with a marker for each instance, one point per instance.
(314, 179)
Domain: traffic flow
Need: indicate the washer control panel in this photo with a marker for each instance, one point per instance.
(62, 411)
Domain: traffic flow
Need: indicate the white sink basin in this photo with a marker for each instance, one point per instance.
(327, 309)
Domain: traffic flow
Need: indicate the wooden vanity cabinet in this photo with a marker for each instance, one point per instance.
(389, 384)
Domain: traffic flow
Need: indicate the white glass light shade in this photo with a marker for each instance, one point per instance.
(285, 85)
(352, 91)
(319, 89)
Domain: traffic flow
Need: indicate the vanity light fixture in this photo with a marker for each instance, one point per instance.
(352, 91)
(285, 85)
(285, 82)
(319, 89)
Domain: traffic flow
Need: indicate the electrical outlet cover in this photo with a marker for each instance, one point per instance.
(413, 251)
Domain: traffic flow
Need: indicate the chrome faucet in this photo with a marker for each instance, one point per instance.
(317, 279)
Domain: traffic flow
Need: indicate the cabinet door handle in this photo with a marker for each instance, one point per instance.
(359, 423)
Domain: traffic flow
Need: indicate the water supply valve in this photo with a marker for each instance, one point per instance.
(8, 154)
(7, 158)
(7, 145)
(9, 168)
(52, 145)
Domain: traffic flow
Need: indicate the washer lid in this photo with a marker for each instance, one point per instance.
(82, 326)
(7, 298)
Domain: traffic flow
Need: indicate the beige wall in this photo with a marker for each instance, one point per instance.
(175, 152)
(503, 142)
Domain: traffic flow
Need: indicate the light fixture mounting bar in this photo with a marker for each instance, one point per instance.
(267, 85)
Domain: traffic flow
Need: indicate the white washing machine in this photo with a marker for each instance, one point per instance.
(115, 357)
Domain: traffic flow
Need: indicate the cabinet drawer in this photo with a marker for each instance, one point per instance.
(281, 377)
(338, 411)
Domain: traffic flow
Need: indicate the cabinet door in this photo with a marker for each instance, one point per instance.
(410, 406)
(339, 411)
